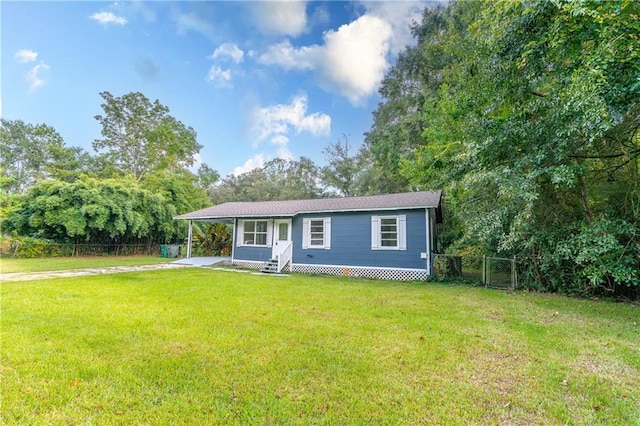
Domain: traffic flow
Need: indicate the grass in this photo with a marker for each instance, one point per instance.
(198, 346)
(62, 263)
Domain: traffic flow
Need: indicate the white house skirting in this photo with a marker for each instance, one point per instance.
(398, 274)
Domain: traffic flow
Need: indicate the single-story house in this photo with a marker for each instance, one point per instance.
(380, 236)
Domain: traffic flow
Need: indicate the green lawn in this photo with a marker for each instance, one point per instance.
(63, 263)
(197, 346)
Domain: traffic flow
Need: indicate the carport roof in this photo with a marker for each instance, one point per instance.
(406, 200)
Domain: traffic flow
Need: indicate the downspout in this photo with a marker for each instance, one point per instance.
(189, 238)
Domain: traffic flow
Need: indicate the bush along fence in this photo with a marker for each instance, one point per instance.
(34, 248)
(494, 272)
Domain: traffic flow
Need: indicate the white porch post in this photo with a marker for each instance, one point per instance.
(189, 239)
(428, 241)
(233, 237)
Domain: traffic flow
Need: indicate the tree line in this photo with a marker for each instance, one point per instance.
(127, 191)
(137, 179)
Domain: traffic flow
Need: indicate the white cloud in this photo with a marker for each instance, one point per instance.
(34, 77)
(352, 60)
(275, 122)
(288, 57)
(107, 18)
(219, 77)
(193, 22)
(255, 162)
(25, 55)
(355, 56)
(230, 50)
(400, 15)
(281, 17)
(197, 162)
(280, 140)
(284, 153)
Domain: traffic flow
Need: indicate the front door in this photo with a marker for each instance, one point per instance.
(281, 236)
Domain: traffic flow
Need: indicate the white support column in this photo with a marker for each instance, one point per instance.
(428, 240)
(189, 239)
(233, 237)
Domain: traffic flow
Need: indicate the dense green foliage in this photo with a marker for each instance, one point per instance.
(93, 210)
(29, 153)
(30, 248)
(129, 194)
(278, 179)
(529, 120)
(140, 137)
(213, 240)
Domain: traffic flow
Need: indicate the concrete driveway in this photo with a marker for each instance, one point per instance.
(29, 276)
(181, 263)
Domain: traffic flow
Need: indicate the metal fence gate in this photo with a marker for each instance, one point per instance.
(500, 272)
(494, 272)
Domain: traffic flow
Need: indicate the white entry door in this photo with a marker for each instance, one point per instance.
(281, 236)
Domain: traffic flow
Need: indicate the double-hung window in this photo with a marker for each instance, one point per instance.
(254, 233)
(389, 232)
(316, 233)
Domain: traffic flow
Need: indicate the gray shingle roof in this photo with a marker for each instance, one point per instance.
(407, 200)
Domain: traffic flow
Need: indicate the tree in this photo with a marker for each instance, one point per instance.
(29, 153)
(207, 176)
(342, 169)
(399, 119)
(91, 210)
(278, 179)
(141, 137)
(181, 193)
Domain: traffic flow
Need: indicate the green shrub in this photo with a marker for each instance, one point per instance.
(29, 247)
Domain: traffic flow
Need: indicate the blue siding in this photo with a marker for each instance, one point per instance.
(351, 241)
(260, 254)
(251, 253)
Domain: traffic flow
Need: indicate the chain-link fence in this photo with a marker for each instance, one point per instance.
(21, 249)
(500, 273)
(493, 272)
(468, 268)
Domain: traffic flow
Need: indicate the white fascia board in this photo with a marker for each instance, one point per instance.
(376, 209)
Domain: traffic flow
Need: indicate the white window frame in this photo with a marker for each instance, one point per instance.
(401, 230)
(268, 238)
(326, 233)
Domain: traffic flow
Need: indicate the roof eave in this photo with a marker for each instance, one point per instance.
(186, 217)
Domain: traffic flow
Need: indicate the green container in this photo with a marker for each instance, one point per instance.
(164, 250)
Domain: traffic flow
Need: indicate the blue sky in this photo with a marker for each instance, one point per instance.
(256, 80)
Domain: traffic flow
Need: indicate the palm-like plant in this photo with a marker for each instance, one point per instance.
(214, 240)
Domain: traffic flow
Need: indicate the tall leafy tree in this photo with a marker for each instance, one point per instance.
(207, 176)
(278, 179)
(139, 136)
(534, 135)
(408, 86)
(342, 169)
(29, 153)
